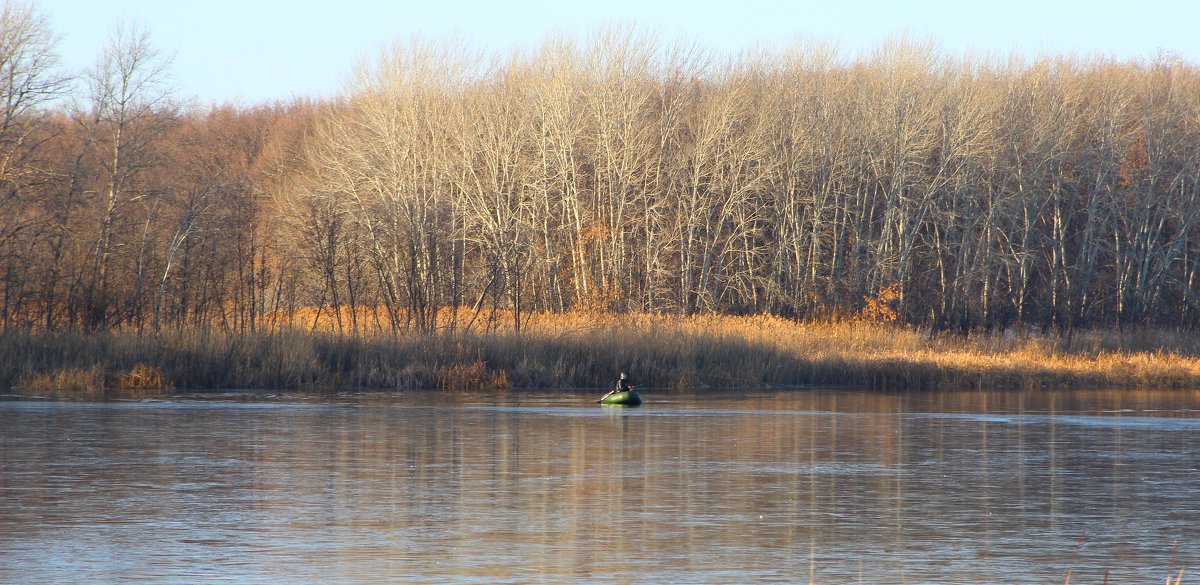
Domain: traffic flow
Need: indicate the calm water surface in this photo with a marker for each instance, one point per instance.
(790, 487)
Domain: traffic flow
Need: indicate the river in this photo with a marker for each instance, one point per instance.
(804, 486)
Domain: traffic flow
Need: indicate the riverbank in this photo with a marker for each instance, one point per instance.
(586, 351)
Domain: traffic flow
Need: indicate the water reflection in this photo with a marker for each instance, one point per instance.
(828, 487)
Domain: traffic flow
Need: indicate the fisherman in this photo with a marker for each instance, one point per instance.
(623, 385)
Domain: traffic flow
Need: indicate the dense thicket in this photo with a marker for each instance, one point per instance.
(618, 173)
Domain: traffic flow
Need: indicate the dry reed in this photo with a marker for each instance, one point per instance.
(585, 350)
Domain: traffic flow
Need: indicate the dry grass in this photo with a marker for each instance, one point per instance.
(142, 381)
(71, 382)
(585, 350)
(94, 382)
(473, 377)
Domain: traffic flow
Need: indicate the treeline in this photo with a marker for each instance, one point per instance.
(618, 173)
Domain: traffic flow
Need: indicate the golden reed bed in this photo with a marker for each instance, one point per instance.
(585, 350)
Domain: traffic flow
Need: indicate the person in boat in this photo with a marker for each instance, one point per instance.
(623, 385)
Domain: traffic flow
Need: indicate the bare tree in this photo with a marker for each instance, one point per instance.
(129, 109)
(383, 158)
(28, 80)
(615, 172)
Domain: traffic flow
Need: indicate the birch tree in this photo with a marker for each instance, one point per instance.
(129, 110)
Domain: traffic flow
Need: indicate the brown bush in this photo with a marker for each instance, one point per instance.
(142, 381)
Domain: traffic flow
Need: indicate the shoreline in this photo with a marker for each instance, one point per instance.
(581, 352)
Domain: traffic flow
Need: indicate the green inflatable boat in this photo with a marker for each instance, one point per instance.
(626, 398)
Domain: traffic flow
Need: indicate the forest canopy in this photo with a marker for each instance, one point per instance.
(618, 172)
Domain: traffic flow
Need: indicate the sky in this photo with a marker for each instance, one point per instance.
(259, 51)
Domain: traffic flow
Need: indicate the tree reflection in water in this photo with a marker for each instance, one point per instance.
(776, 486)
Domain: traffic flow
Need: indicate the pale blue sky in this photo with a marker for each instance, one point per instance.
(253, 51)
